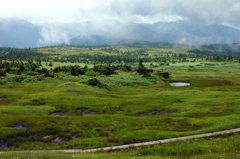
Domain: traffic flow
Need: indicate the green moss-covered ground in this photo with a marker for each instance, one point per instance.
(124, 114)
(123, 107)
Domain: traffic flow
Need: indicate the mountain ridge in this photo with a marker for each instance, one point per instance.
(19, 33)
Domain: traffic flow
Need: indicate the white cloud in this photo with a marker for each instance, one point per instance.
(52, 36)
(202, 11)
(45, 10)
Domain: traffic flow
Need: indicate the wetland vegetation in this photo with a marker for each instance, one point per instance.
(82, 97)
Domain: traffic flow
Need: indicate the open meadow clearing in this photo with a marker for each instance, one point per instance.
(74, 105)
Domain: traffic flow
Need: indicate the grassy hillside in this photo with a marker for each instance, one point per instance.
(101, 98)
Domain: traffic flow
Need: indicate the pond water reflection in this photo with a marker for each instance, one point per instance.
(1, 98)
(3, 145)
(58, 113)
(179, 84)
(85, 112)
(19, 127)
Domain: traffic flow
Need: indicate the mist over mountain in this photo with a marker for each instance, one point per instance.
(19, 33)
(136, 32)
(92, 40)
(180, 32)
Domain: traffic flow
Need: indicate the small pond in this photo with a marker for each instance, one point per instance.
(4, 145)
(85, 112)
(179, 84)
(56, 140)
(58, 113)
(152, 113)
(1, 98)
(165, 112)
(19, 127)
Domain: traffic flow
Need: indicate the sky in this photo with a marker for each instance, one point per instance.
(141, 11)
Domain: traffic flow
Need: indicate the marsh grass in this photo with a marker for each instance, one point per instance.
(34, 155)
(210, 103)
(128, 108)
(221, 146)
(202, 67)
(26, 110)
(210, 146)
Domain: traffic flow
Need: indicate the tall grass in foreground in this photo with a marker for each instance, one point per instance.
(34, 155)
(221, 146)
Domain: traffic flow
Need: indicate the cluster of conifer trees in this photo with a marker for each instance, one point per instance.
(34, 69)
(31, 55)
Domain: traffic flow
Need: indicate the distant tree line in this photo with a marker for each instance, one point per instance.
(228, 49)
(35, 69)
(31, 55)
(118, 56)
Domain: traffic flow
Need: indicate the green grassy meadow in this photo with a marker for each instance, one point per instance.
(128, 109)
(122, 113)
(210, 148)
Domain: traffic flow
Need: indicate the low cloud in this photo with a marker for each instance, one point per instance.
(149, 11)
(200, 11)
(51, 36)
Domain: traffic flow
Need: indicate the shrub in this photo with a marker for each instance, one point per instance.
(2, 72)
(19, 78)
(191, 68)
(163, 74)
(92, 73)
(94, 82)
(142, 70)
(50, 64)
(30, 73)
(47, 74)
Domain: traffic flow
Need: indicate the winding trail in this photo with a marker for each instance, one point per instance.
(141, 144)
